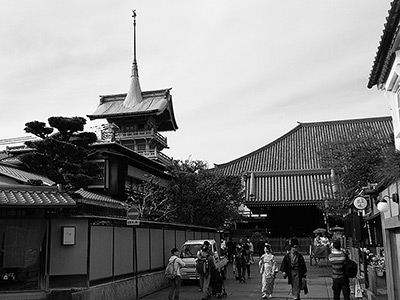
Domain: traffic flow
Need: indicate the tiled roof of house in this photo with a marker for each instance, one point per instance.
(158, 103)
(298, 149)
(24, 176)
(99, 199)
(288, 170)
(384, 57)
(33, 197)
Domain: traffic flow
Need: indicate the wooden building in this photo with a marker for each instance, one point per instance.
(284, 180)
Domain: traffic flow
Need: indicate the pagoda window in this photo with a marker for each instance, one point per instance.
(129, 128)
(141, 146)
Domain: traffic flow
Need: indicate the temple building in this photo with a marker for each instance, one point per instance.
(285, 182)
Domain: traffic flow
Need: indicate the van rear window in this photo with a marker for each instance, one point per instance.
(190, 250)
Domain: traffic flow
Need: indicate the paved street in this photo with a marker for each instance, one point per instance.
(319, 285)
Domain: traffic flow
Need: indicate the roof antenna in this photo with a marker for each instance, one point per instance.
(134, 95)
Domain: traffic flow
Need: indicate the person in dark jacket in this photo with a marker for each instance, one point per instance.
(294, 268)
(240, 261)
(231, 247)
(260, 246)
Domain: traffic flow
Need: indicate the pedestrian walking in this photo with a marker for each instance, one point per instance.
(202, 265)
(260, 246)
(340, 282)
(249, 256)
(240, 259)
(230, 245)
(268, 270)
(175, 283)
(294, 268)
(223, 249)
(205, 264)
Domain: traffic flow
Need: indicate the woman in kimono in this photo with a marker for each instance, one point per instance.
(268, 270)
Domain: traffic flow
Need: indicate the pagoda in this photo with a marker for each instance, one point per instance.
(135, 119)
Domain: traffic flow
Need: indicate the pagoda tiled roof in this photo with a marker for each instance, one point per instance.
(33, 197)
(288, 170)
(157, 103)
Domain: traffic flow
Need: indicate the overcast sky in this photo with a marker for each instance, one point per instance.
(242, 72)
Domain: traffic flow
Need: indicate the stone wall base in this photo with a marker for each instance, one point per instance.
(124, 289)
(119, 290)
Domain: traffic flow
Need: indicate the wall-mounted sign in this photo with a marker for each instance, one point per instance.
(68, 235)
(360, 203)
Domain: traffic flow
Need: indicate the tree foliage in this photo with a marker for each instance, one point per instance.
(61, 152)
(357, 159)
(195, 196)
(203, 197)
(152, 200)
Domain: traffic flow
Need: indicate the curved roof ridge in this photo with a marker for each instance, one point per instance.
(354, 120)
(272, 157)
(263, 147)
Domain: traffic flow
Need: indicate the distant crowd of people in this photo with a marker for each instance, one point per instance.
(241, 255)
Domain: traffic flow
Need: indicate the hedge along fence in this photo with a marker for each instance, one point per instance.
(107, 250)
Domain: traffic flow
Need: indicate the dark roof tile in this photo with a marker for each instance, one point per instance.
(33, 197)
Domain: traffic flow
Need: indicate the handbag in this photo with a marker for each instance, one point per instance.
(303, 285)
(357, 289)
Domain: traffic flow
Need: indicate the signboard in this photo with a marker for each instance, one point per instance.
(133, 213)
(132, 222)
(360, 203)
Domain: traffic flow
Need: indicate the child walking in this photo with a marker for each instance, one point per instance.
(268, 270)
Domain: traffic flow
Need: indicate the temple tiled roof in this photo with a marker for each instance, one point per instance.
(289, 188)
(298, 149)
(24, 176)
(288, 170)
(33, 197)
(157, 103)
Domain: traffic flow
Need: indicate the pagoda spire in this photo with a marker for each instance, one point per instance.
(134, 95)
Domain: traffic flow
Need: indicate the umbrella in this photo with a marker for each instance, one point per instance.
(319, 230)
(337, 228)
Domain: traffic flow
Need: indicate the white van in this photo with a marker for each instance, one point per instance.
(189, 254)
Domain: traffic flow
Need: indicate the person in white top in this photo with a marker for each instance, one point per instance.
(175, 283)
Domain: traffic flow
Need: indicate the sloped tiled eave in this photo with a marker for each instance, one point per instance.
(23, 176)
(288, 188)
(96, 199)
(384, 56)
(33, 197)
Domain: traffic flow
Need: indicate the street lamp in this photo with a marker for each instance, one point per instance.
(383, 204)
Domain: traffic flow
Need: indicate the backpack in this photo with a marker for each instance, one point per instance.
(350, 268)
(170, 272)
(202, 266)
